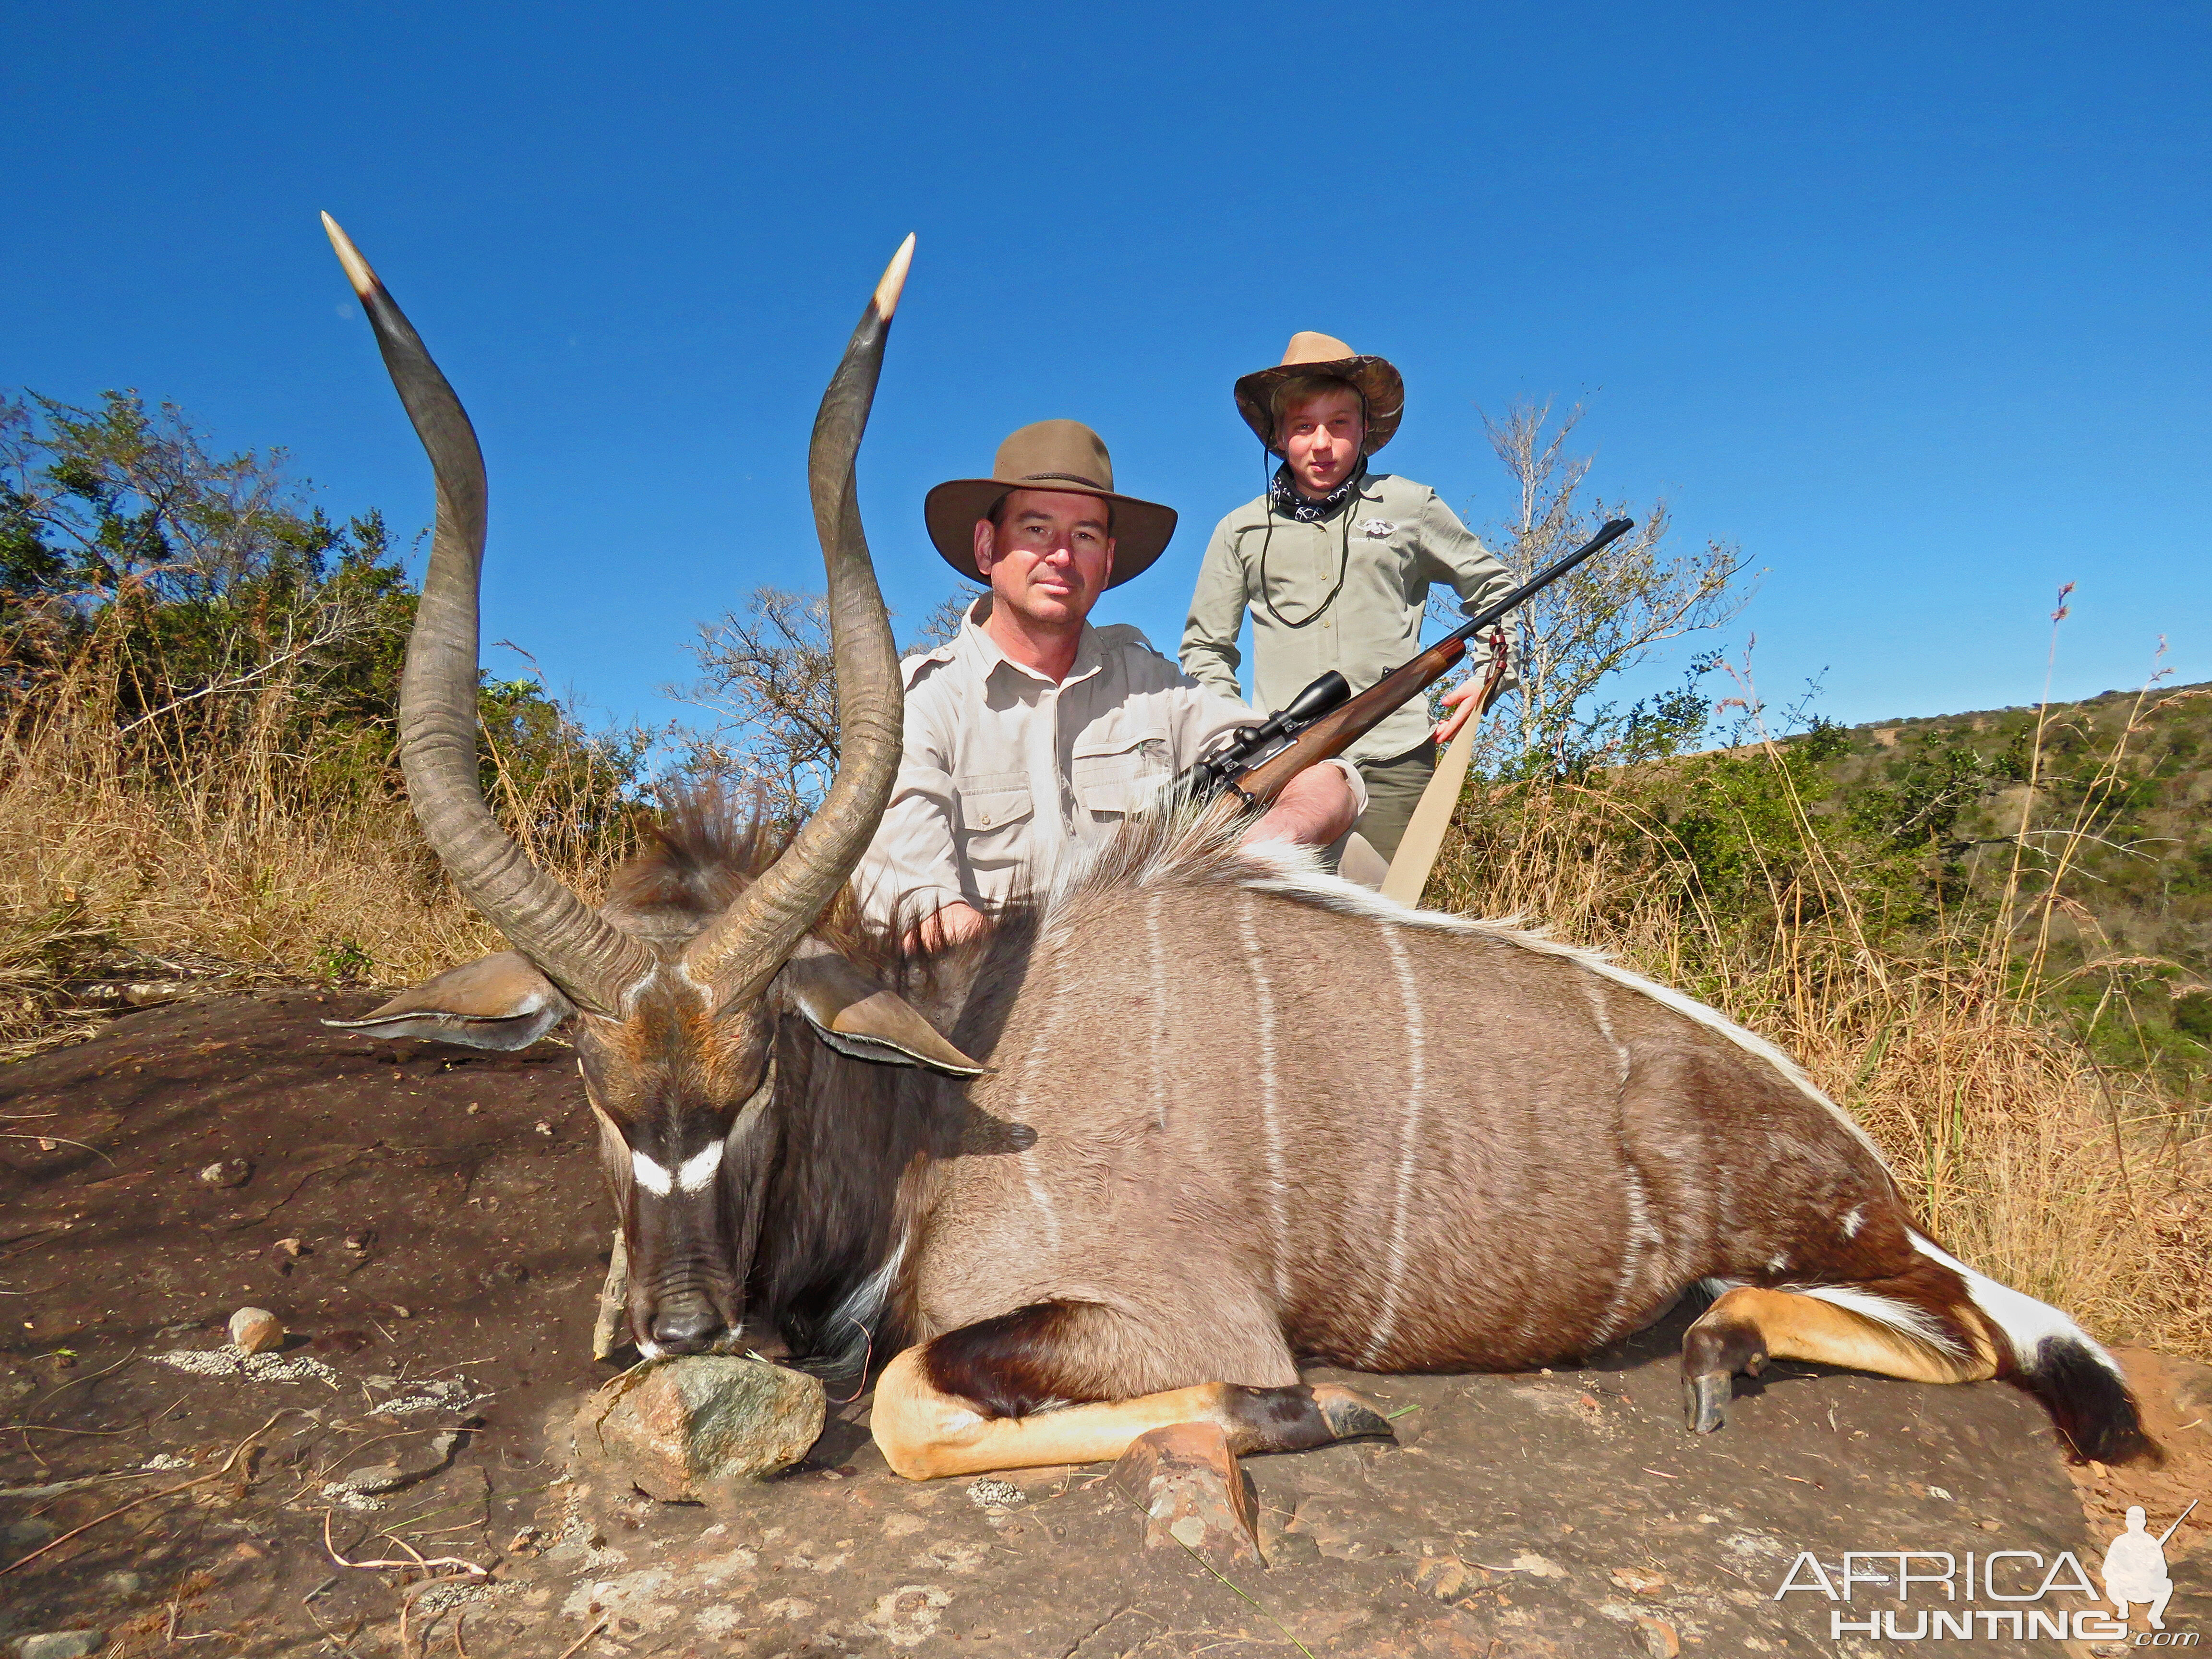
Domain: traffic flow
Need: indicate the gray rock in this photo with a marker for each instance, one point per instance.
(19, 1538)
(122, 1583)
(677, 1429)
(428, 1459)
(60, 1644)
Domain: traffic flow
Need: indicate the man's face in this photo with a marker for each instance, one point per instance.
(1321, 436)
(1049, 557)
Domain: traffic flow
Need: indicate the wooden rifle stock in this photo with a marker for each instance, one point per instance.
(1345, 725)
(1349, 721)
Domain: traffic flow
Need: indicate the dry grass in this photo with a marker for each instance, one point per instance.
(158, 858)
(2086, 1189)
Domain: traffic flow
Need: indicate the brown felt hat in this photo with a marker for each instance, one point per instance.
(1308, 353)
(1062, 455)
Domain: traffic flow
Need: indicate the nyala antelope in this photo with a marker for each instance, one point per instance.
(1130, 1158)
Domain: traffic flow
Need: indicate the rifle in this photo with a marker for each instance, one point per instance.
(1253, 763)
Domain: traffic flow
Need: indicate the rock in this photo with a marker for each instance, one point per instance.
(19, 1538)
(230, 1172)
(1187, 1481)
(122, 1583)
(256, 1330)
(60, 1644)
(428, 1459)
(679, 1428)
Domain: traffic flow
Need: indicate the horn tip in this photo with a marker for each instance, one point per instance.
(887, 291)
(356, 268)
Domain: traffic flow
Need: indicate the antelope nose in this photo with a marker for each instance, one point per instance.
(686, 1326)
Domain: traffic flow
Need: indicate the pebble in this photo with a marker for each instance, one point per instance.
(230, 1172)
(256, 1330)
(227, 1361)
(60, 1644)
(122, 1583)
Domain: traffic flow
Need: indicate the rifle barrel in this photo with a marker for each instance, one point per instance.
(2176, 1527)
(1611, 531)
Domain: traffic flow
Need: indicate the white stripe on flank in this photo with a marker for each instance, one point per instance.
(1159, 1009)
(2025, 1321)
(1409, 995)
(653, 1177)
(1027, 1157)
(1642, 1235)
(696, 1171)
(1263, 997)
(1594, 992)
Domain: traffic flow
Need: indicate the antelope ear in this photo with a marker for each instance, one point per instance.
(857, 1017)
(498, 1002)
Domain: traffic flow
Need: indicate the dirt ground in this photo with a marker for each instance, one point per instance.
(431, 1229)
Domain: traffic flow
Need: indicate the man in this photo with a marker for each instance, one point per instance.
(2135, 1570)
(1335, 563)
(1033, 734)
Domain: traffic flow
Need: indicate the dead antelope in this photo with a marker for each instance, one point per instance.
(1195, 1160)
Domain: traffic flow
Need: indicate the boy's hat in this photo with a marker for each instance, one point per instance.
(1377, 379)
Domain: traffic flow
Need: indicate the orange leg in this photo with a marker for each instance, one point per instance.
(1747, 1326)
(925, 1433)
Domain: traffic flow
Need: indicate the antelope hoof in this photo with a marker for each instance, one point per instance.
(1706, 1401)
(1349, 1416)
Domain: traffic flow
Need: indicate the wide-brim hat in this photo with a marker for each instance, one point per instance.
(1376, 378)
(1062, 455)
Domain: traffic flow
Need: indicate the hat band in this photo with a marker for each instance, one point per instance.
(1063, 477)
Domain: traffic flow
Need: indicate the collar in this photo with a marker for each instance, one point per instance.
(1284, 500)
(983, 652)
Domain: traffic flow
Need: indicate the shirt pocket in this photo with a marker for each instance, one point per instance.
(995, 810)
(1116, 775)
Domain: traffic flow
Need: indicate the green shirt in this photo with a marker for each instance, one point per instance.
(1390, 540)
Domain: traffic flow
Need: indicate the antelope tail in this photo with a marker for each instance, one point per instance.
(2053, 1358)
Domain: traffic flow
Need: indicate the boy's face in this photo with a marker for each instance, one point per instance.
(1320, 437)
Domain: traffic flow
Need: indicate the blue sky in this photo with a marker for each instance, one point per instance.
(1910, 302)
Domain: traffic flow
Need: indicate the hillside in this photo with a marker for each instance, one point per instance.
(2132, 774)
(2082, 827)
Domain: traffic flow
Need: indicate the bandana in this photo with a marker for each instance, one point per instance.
(1283, 495)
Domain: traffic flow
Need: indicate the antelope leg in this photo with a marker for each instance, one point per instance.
(1747, 1326)
(925, 1433)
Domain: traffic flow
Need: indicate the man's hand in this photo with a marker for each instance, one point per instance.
(947, 925)
(1315, 808)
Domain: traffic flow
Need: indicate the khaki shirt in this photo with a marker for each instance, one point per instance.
(1402, 538)
(1005, 774)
